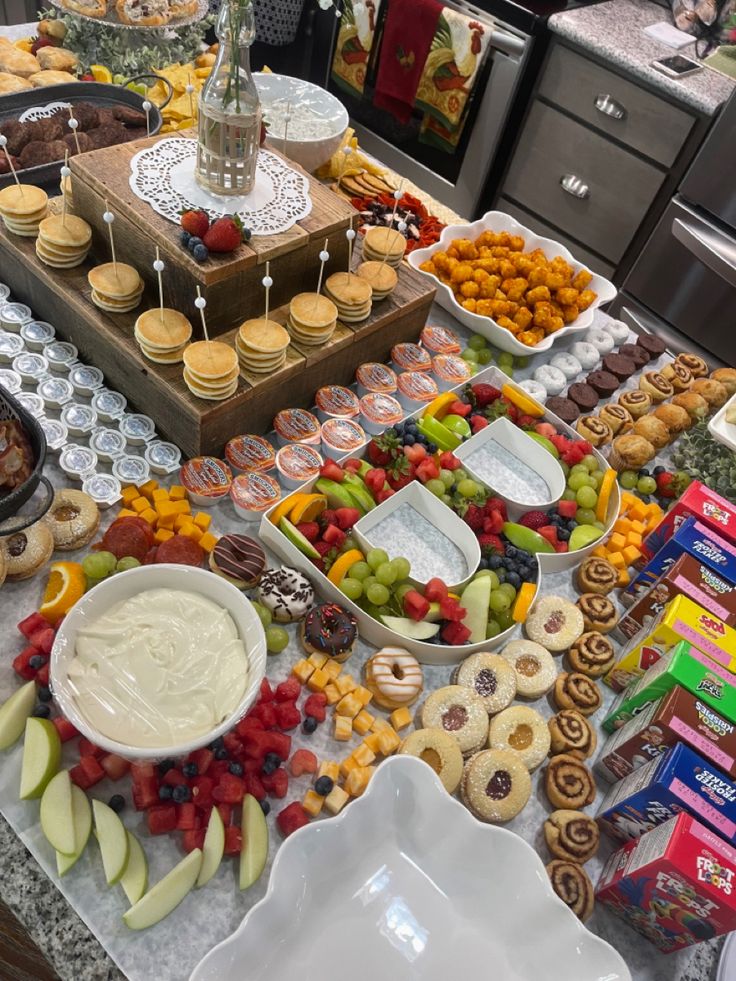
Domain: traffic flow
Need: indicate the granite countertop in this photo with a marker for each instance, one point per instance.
(614, 32)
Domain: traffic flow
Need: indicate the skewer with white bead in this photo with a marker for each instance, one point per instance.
(65, 172)
(200, 303)
(147, 106)
(397, 198)
(189, 89)
(74, 126)
(108, 217)
(324, 257)
(350, 236)
(4, 145)
(287, 120)
(158, 267)
(267, 284)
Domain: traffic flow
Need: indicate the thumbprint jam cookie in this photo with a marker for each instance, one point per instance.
(440, 751)
(461, 713)
(25, 552)
(574, 690)
(533, 665)
(496, 785)
(522, 730)
(571, 883)
(555, 623)
(490, 676)
(571, 733)
(569, 783)
(571, 836)
(598, 612)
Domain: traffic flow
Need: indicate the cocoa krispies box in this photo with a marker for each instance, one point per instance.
(676, 885)
(689, 577)
(681, 780)
(697, 501)
(677, 717)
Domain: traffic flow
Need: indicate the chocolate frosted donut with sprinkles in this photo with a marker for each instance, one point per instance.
(286, 593)
(329, 629)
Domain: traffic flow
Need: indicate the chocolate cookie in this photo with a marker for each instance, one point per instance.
(603, 382)
(583, 395)
(565, 409)
(637, 354)
(619, 365)
(653, 345)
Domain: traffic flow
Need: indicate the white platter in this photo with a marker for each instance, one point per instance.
(369, 894)
(497, 221)
(721, 430)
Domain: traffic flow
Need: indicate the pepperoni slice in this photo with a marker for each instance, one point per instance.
(150, 556)
(180, 550)
(125, 540)
(138, 522)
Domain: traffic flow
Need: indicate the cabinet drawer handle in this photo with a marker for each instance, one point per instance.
(609, 107)
(575, 186)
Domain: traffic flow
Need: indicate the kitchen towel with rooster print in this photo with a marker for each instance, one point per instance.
(354, 43)
(407, 39)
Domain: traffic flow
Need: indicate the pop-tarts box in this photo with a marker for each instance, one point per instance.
(701, 503)
(681, 780)
(692, 536)
(675, 885)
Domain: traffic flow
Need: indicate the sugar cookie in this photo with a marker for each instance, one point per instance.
(522, 730)
(27, 551)
(438, 749)
(496, 785)
(490, 676)
(534, 667)
(460, 712)
(554, 622)
(73, 518)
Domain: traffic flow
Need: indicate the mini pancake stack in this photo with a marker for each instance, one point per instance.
(384, 242)
(312, 318)
(163, 335)
(63, 242)
(382, 277)
(261, 345)
(23, 207)
(116, 287)
(211, 370)
(352, 296)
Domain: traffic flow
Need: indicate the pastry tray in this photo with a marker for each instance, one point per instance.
(110, 20)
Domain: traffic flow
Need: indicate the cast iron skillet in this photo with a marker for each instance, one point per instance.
(10, 521)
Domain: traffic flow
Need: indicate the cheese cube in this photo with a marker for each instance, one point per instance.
(179, 520)
(371, 741)
(160, 494)
(638, 527)
(203, 520)
(318, 681)
(167, 522)
(129, 494)
(140, 504)
(633, 539)
(333, 695)
(191, 531)
(336, 800)
(148, 488)
(600, 551)
(617, 541)
(358, 779)
(312, 803)
(348, 765)
(329, 768)
(623, 578)
(349, 706)
(388, 741)
(302, 670)
(364, 695)
(345, 683)
(622, 525)
(363, 755)
(333, 668)
(380, 723)
(631, 554)
(177, 493)
(343, 728)
(207, 541)
(362, 722)
(616, 559)
(317, 659)
(162, 535)
(400, 718)
(126, 513)
(149, 515)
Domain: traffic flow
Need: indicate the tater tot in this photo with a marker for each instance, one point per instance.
(537, 276)
(483, 307)
(515, 288)
(453, 253)
(516, 242)
(507, 323)
(582, 279)
(555, 323)
(466, 249)
(522, 318)
(585, 298)
(554, 281)
(469, 304)
(462, 272)
(540, 294)
(567, 296)
(507, 269)
(570, 313)
(470, 288)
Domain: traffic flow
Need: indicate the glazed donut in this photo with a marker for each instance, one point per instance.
(395, 678)
(571, 836)
(27, 551)
(571, 883)
(440, 751)
(238, 559)
(460, 712)
(329, 629)
(73, 519)
(522, 730)
(569, 783)
(286, 593)
(576, 691)
(490, 676)
(571, 733)
(591, 654)
(596, 575)
(599, 612)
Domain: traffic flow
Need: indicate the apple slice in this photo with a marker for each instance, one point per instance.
(254, 852)
(82, 821)
(296, 538)
(166, 895)
(421, 630)
(113, 841)
(57, 814)
(135, 877)
(41, 757)
(476, 597)
(213, 848)
(14, 712)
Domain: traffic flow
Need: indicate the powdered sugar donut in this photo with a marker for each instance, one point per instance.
(600, 339)
(586, 354)
(535, 389)
(552, 379)
(568, 364)
(618, 330)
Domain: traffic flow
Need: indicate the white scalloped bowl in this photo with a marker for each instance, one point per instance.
(497, 221)
(406, 885)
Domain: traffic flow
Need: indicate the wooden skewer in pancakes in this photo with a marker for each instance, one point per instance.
(211, 368)
(351, 294)
(382, 278)
(162, 333)
(312, 319)
(116, 286)
(384, 245)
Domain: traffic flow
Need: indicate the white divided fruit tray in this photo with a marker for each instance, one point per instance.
(724, 432)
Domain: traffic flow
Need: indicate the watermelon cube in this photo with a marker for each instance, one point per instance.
(186, 817)
(142, 771)
(31, 624)
(289, 690)
(87, 748)
(174, 778)
(92, 769)
(65, 729)
(202, 788)
(80, 778)
(44, 639)
(21, 663)
(254, 787)
(435, 591)
(266, 691)
(145, 793)
(233, 840)
(316, 706)
(291, 819)
(162, 819)
(455, 633)
(193, 839)
(415, 605)
(229, 790)
(114, 766)
(42, 676)
(567, 509)
(248, 724)
(288, 715)
(226, 813)
(266, 713)
(202, 758)
(276, 784)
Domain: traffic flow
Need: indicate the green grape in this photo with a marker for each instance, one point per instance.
(460, 474)
(359, 570)
(598, 478)
(446, 499)
(646, 485)
(127, 562)
(377, 594)
(493, 576)
(521, 360)
(485, 356)
(499, 601)
(568, 494)
(368, 582)
(505, 358)
(436, 487)
(579, 468)
(376, 557)
(348, 544)
(276, 639)
(504, 619)
(96, 565)
(477, 342)
(448, 478)
(590, 462)
(482, 574)
(577, 480)
(509, 590)
(402, 567)
(586, 497)
(501, 573)
(264, 614)
(469, 355)
(599, 524)
(565, 467)
(628, 479)
(467, 488)
(386, 574)
(585, 516)
(402, 590)
(507, 369)
(493, 629)
(352, 588)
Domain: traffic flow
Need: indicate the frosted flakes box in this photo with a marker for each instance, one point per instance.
(697, 501)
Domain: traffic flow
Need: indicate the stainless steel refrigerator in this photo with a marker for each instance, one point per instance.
(683, 285)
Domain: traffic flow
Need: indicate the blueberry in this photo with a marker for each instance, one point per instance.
(164, 792)
(193, 242)
(265, 807)
(658, 470)
(323, 786)
(431, 448)
(270, 764)
(164, 767)
(189, 770)
(221, 753)
(572, 524)
(217, 744)
(236, 769)
(643, 472)
(495, 562)
(483, 564)
(185, 238)
(398, 428)
(511, 551)
(44, 694)
(42, 711)
(509, 563)
(247, 233)
(201, 253)
(117, 803)
(514, 579)
(309, 725)
(181, 794)
(563, 534)
(411, 427)
(409, 439)
(36, 662)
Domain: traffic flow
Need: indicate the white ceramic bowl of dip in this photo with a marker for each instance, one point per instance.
(126, 585)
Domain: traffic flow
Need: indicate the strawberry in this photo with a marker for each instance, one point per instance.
(491, 543)
(484, 394)
(534, 519)
(310, 530)
(496, 504)
(666, 485)
(493, 523)
(42, 42)
(328, 517)
(382, 449)
(397, 481)
(448, 461)
(196, 222)
(526, 422)
(224, 235)
(478, 422)
(474, 517)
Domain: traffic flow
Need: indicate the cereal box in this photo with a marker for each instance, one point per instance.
(697, 501)
(675, 885)
(677, 717)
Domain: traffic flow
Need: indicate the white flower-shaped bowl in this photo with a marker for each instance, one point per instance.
(497, 221)
(406, 885)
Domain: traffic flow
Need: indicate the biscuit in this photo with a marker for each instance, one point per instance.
(523, 731)
(496, 785)
(460, 712)
(534, 667)
(440, 751)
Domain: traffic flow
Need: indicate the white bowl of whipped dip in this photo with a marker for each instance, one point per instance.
(158, 661)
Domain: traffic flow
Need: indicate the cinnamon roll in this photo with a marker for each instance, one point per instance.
(574, 690)
(595, 430)
(638, 403)
(678, 375)
(592, 654)
(571, 733)
(572, 885)
(656, 386)
(695, 365)
(597, 575)
(617, 417)
(598, 611)
(569, 783)
(571, 836)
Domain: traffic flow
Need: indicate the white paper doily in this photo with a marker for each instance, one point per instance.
(41, 112)
(163, 176)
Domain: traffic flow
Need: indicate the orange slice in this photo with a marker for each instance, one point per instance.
(340, 566)
(66, 584)
(438, 407)
(308, 508)
(283, 509)
(604, 494)
(523, 601)
(528, 405)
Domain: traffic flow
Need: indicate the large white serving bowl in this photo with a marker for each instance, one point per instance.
(405, 884)
(123, 586)
(497, 221)
(306, 99)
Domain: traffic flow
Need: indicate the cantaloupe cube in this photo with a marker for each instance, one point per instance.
(177, 492)
(302, 670)
(162, 535)
(362, 722)
(631, 554)
(616, 559)
(400, 718)
(129, 494)
(617, 541)
(207, 541)
(343, 728)
(203, 520)
(318, 680)
(312, 803)
(149, 515)
(336, 800)
(148, 488)
(140, 504)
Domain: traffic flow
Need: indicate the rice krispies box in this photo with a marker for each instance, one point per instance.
(681, 780)
(677, 717)
(676, 885)
(700, 502)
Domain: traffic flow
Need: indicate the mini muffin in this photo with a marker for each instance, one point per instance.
(694, 404)
(617, 417)
(636, 402)
(656, 386)
(712, 391)
(698, 368)
(563, 408)
(727, 378)
(631, 452)
(595, 430)
(675, 418)
(680, 377)
(654, 430)
(619, 365)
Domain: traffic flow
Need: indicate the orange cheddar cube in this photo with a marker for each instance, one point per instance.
(148, 488)
(362, 722)
(371, 741)
(333, 668)
(317, 659)
(348, 705)
(129, 494)
(302, 670)
(312, 803)
(140, 504)
(160, 494)
(348, 764)
(617, 559)
(638, 511)
(167, 522)
(617, 541)
(336, 800)
(380, 723)
(329, 768)
(162, 535)
(363, 755)
(203, 520)
(364, 695)
(622, 525)
(343, 728)
(631, 554)
(345, 683)
(400, 718)
(633, 539)
(177, 493)
(179, 520)
(149, 515)
(388, 741)
(332, 694)
(638, 527)
(127, 513)
(318, 680)
(207, 541)
(191, 531)
(600, 551)
(358, 779)
(623, 578)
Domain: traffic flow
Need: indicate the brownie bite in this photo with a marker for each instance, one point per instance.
(619, 365)
(564, 408)
(583, 395)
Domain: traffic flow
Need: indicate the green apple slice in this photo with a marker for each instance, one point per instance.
(166, 895)
(135, 878)
(476, 597)
(357, 490)
(57, 814)
(337, 495)
(421, 630)
(583, 535)
(254, 852)
(41, 757)
(296, 538)
(113, 841)
(213, 848)
(14, 712)
(82, 821)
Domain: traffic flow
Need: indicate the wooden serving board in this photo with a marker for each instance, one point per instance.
(103, 176)
(62, 297)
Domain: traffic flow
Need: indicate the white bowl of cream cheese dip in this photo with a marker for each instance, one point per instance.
(158, 661)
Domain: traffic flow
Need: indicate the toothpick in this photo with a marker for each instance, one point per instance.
(74, 126)
(146, 105)
(189, 90)
(324, 257)
(397, 197)
(350, 236)
(159, 268)
(287, 120)
(200, 303)
(267, 283)
(65, 172)
(108, 217)
(4, 145)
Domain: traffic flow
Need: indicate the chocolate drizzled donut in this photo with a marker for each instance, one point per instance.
(331, 630)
